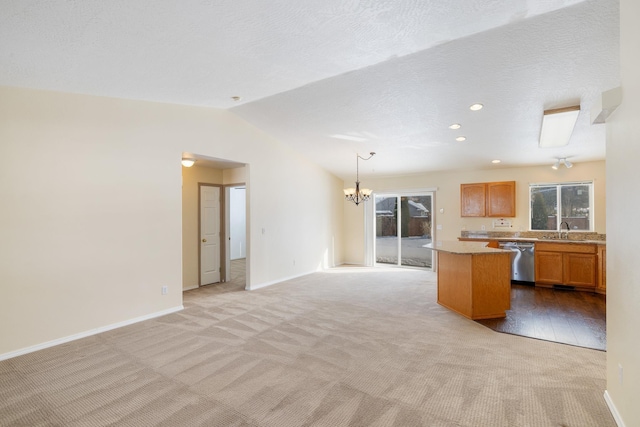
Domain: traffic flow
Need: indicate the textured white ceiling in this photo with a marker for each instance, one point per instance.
(395, 73)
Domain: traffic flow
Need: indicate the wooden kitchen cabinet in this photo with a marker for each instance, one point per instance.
(566, 264)
(473, 199)
(580, 270)
(501, 199)
(492, 199)
(548, 266)
(601, 285)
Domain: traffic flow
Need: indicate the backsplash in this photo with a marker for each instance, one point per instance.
(573, 235)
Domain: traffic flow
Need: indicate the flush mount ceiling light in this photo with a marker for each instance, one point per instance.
(476, 107)
(562, 161)
(461, 138)
(455, 126)
(358, 195)
(495, 161)
(557, 126)
(187, 161)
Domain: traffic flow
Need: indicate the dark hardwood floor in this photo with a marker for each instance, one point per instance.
(564, 316)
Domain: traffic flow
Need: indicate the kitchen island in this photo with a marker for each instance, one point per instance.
(473, 280)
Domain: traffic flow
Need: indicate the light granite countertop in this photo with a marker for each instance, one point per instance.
(463, 247)
(533, 239)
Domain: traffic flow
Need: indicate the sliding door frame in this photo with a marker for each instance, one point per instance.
(370, 223)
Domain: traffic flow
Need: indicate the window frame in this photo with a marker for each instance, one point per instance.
(559, 185)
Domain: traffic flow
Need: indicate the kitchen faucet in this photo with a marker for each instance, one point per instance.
(566, 236)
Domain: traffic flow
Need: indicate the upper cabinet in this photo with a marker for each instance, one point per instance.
(492, 199)
(473, 199)
(501, 198)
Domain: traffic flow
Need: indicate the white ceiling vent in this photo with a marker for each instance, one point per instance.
(605, 105)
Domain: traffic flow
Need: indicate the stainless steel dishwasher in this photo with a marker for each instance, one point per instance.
(522, 260)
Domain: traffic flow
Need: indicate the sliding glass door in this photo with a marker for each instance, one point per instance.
(387, 247)
(402, 228)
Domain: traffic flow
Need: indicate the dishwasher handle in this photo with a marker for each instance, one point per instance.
(525, 245)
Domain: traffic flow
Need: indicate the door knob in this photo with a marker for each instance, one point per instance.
(204, 240)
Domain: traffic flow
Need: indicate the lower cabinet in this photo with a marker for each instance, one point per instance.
(549, 266)
(566, 264)
(601, 285)
(580, 269)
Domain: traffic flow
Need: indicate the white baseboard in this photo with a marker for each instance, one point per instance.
(273, 282)
(353, 262)
(88, 333)
(613, 409)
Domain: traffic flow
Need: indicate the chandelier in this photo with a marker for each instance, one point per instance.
(357, 195)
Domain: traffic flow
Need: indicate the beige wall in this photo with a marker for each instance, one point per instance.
(191, 177)
(447, 197)
(91, 218)
(234, 176)
(623, 205)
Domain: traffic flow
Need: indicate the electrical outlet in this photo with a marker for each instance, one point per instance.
(620, 373)
(165, 290)
(501, 223)
(482, 227)
(439, 227)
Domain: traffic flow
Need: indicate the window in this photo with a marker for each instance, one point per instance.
(571, 200)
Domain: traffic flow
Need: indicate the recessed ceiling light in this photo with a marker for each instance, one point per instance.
(495, 161)
(461, 138)
(455, 126)
(476, 107)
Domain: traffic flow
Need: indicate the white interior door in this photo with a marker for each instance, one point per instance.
(209, 235)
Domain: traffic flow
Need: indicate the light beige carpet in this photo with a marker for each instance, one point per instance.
(347, 347)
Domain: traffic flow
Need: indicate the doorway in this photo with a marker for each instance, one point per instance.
(219, 173)
(402, 227)
(235, 232)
